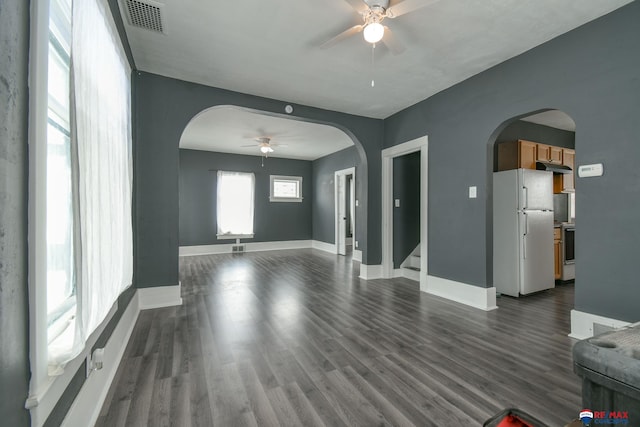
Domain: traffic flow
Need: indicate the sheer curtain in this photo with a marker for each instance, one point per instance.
(102, 171)
(235, 194)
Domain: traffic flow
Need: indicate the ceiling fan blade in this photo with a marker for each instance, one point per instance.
(278, 145)
(343, 35)
(251, 145)
(359, 5)
(391, 41)
(407, 6)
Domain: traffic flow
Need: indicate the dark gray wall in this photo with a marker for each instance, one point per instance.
(164, 107)
(406, 218)
(591, 74)
(324, 202)
(272, 221)
(538, 133)
(14, 99)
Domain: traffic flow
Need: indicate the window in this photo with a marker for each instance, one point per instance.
(235, 195)
(61, 295)
(80, 188)
(286, 188)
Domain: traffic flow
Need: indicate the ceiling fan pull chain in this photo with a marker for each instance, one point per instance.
(373, 64)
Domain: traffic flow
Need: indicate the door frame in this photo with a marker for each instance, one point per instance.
(419, 144)
(340, 199)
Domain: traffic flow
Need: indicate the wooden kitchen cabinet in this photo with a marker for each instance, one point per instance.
(543, 152)
(517, 154)
(549, 154)
(557, 253)
(569, 179)
(555, 155)
(565, 183)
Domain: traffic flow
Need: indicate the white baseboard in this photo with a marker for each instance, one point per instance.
(159, 296)
(87, 405)
(357, 255)
(474, 296)
(370, 272)
(249, 247)
(407, 274)
(324, 246)
(582, 324)
(263, 246)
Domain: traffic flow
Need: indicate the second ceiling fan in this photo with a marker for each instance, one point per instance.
(373, 12)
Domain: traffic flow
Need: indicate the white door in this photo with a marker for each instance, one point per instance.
(341, 211)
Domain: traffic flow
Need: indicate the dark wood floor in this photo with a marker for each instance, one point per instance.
(295, 338)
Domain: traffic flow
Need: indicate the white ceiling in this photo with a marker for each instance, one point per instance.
(234, 130)
(553, 118)
(272, 49)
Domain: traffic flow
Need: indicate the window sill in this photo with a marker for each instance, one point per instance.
(234, 236)
(282, 199)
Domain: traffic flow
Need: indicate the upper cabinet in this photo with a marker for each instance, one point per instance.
(565, 183)
(517, 154)
(525, 154)
(549, 154)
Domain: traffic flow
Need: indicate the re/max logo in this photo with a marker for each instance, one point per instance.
(612, 414)
(609, 418)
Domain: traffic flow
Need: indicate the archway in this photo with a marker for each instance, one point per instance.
(230, 137)
(543, 140)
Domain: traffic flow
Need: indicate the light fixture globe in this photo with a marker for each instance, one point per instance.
(265, 149)
(373, 32)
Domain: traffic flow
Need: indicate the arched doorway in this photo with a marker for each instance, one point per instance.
(532, 247)
(266, 145)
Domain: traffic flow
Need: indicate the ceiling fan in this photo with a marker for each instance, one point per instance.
(373, 12)
(265, 145)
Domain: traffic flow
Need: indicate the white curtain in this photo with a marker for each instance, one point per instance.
(235, 194)
(101, 147)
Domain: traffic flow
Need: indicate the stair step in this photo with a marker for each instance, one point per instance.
(412, 268)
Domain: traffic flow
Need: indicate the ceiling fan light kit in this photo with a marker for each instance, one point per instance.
(265, 149)
(373, 12)
(373, 32)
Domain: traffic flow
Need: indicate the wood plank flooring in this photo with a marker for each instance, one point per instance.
(294, 338)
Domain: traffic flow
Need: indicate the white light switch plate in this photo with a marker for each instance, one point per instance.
(397, 203)
(473, 192)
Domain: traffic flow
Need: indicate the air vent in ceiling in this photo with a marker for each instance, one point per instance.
(145, 15)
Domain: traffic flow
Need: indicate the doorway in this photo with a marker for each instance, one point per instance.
(545, 142)
(345, 203)
(388, 155)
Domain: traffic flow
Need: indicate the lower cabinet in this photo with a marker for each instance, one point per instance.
(557, 252)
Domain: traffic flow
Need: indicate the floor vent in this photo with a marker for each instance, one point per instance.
(237, 248)
(145, 15)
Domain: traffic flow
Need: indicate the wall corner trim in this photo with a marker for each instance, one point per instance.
(370, 272)
(582, 324)
(159, 296)
(474, 296)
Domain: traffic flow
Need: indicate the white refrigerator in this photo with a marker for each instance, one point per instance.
(523, 231)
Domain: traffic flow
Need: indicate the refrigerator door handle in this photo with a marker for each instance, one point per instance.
(524, 236)
(525, 197)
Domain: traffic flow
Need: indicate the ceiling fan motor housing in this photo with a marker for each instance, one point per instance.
(383, 4)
